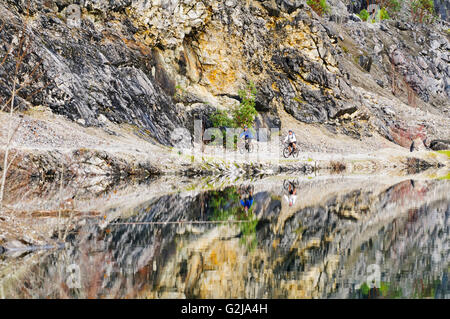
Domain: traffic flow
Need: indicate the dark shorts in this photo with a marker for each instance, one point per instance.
(292, 144)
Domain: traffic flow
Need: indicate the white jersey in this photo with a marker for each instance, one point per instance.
(290, 138)
(291, 199)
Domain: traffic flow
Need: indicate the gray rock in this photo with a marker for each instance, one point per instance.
(440, 145)
(435, 44)
(422, 63)
(402, 26)
(354, 17)
(271, 7)
(365, 62)
(380, 83)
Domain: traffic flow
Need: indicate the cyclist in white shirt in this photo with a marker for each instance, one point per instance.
(292, 194)
(290, 138)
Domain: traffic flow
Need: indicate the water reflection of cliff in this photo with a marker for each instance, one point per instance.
(207, 245)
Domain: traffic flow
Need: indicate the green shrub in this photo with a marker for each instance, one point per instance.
(383, 14)
(388, 7)
(363, 14)
(422, 10)
(244, 114)
(221, 119)
(393, 6)
(179, 92)
(319, 6)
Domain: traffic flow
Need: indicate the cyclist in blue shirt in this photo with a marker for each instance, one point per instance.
(246, 197)
(247, 203)
(247, 135)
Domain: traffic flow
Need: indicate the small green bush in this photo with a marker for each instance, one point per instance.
(393, 6)
(319, 6)
(221, 119)
(242, 115)
(245, 114)
(422, 10)
(383, 14)
(363, 14)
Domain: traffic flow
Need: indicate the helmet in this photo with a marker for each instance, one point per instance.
(290, 131)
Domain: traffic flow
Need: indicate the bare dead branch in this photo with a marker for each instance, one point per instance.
(25, 84)
(12, 160)
(5, 160)
(14, 132)
(22, 50)
(37, 91)
(8, 52)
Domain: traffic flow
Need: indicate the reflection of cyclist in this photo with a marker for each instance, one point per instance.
(292, 140)
(246, 199)
(247, 135)
(292, 192)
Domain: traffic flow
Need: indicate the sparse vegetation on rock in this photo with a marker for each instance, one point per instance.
(243, 114)
(422, 11)
(364, 15)
(319, 6)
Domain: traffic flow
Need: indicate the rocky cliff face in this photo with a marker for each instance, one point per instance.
(158, 64)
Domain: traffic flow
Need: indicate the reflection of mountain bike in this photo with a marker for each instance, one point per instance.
(294, 183)
(245, 146)
(287, 153)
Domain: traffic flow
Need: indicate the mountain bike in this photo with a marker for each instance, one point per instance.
(245, 146)
(287, 153)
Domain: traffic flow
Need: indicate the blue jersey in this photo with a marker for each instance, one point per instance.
(247, 203)
(247, 134)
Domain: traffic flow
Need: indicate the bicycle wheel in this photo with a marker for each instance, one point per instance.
(286, 152)
(250, 147)
(241, 148)
(286, 184)
(295, 154)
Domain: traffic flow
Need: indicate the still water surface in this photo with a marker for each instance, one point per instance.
(273, 238)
